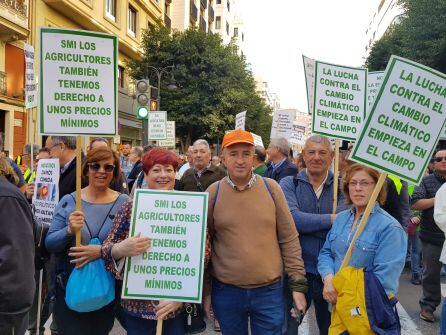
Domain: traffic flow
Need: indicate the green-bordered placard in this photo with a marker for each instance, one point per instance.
(405, 122)
(78, 82)
(172, 269)
(340, 97)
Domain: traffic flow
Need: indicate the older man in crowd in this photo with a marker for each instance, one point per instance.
(280, 166)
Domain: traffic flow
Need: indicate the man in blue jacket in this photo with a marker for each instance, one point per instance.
(310, 198)
(280, 166)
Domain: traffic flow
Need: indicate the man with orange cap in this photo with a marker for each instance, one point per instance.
(253, 240)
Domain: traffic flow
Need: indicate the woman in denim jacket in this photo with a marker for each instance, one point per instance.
(382, 245)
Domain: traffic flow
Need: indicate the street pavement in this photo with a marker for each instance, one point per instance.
(408, 310)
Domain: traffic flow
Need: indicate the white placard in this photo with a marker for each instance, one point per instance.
(257, 140)
(282, 125)
(240, 119)
(30, 80)
(403, 127)
(157, 126)
(340, 94)
(173, 267)
(374, 81)
(78, 82)
(298, 135)
(309, 81)
(46, 189)
(170, 141)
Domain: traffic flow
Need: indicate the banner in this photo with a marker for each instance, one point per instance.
(170, 141)
(240, 119)
(257, 140)
(157, 126)
(298, 135)
(309, 81)
(78, 82)
(282, 125)
(172, 269)
(46, 189)
(374, 81)
(340, 94)
(30, 80)
(403, 127)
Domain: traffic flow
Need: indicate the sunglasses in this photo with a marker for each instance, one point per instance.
(439, 159)
(96, 166)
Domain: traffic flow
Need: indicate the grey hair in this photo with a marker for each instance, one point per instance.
(138, 151)
(202, 142)
(69, 141)
(27, 149)
(319, 139)
(281, 143)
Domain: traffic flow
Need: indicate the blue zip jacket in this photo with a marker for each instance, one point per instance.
(380, 248)
(311, 215)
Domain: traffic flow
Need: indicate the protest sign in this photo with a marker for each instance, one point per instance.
(240, 119)
(46, 189)
(298, 134)
(30, 80)
(282, 125)
(340, 94)
(309, 81)
(172, 269)
(157, 126)
(170, 131)
(405, 122)
(374, 81)
(257, 140)
(78, 82)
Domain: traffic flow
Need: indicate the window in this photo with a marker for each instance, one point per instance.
(218, 22)
(121, 76)
(218, 2)
(227, 28)
(243, 37)
(229, 5)
(110, 9)
(235, 32)
(131, 28)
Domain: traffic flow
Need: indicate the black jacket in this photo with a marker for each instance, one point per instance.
(191, 182)
(17, 285)
(397, 204)
(137, 168)
(286, 169)
(427, 189)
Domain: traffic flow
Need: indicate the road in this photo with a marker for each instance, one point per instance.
(408, 310)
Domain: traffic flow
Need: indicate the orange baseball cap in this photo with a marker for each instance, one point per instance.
(237, 136)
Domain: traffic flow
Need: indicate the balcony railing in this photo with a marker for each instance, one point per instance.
(204, 3)
(211, 14)
(18, 6)
(203, 24)
(167, 22)
(2, 83)
(193, 11)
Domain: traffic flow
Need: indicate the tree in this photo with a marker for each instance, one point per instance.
(420, 36)
(214, 84)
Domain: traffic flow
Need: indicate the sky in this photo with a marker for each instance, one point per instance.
(278, 32)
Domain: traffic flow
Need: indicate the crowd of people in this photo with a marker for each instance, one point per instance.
(277, 236)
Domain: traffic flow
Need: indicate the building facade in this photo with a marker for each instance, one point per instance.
(193, 13)
(19, 24)
(387, 13)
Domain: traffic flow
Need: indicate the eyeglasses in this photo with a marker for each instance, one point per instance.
(96, 166)
(439, 159)
(53, 146)
(362, 183)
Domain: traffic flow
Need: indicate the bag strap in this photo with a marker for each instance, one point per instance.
(216, 194)
(199, 186)
(268, 187)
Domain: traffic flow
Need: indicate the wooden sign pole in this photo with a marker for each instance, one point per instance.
(365, 217)
(159, 327)
(78, 183)
(335, 177)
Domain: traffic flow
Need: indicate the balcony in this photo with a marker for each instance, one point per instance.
(2, 83)
(203, 24)
(13, 20)
(204, 3)
(211, 14)
(17, 6)
(167, 22)
(193, 11)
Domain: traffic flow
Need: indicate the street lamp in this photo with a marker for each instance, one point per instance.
(160, 71)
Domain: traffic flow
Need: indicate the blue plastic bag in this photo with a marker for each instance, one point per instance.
(90, 287)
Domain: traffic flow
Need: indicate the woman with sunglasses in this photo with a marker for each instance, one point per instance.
(380, 248)
(99, 207)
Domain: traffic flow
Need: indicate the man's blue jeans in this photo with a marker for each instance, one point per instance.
(263, 306)
(415, 254)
